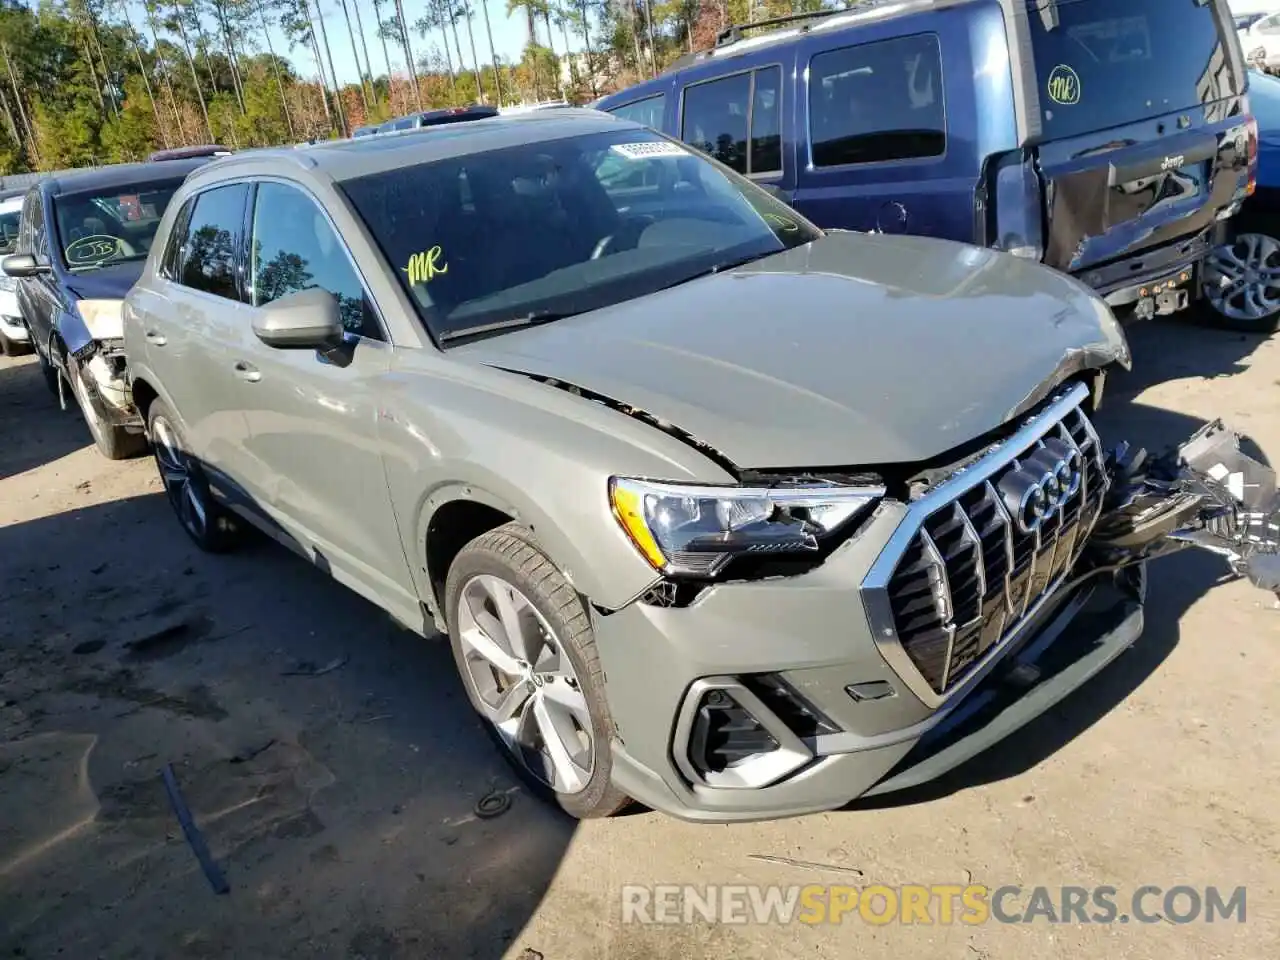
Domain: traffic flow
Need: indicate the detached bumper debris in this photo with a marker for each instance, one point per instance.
(1206, 493)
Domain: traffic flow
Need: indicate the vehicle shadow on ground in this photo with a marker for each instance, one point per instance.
(329, 757)
(1187, 345)
(1175, 582)
(27, 407)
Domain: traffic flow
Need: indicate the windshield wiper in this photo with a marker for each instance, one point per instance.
(722, 267)
(533, 319)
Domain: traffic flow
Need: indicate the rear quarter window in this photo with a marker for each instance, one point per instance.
(877, 102)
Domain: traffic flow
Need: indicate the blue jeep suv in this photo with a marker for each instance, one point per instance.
(1110, 139)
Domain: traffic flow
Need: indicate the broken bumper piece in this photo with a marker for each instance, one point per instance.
(1206, 493)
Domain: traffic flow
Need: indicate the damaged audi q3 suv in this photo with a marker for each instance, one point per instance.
(720, 512)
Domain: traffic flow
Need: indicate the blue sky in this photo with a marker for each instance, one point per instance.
(508, 37)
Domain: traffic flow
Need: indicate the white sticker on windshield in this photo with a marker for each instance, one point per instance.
(649, 149)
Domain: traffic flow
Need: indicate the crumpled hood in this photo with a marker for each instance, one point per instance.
(106, 283)
(854, 350)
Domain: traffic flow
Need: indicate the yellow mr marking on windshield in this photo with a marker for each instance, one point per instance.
(425, 265)
(1064, 86)
(785, 224)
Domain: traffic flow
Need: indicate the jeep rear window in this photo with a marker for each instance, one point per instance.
(1103, 63)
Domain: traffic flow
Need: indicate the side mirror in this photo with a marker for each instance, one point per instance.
(308, 320)
(22, 265)
(773, 190)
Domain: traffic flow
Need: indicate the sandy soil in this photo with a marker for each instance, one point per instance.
(341, 806)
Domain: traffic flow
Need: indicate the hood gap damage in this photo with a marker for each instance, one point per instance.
(670, 429)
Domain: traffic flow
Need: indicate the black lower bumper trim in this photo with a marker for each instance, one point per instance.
(1025, 688)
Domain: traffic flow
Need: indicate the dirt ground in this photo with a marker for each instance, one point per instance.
(341, 805)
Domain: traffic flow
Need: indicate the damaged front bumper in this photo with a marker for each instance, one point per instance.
(101, 368)
(1207, 493)
(770, 698)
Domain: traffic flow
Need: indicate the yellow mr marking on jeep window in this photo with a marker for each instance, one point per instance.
(425, 265)
(1064, 86)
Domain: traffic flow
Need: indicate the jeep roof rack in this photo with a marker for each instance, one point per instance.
(733, 33)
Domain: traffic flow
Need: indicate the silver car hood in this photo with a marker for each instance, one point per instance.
(854, 350)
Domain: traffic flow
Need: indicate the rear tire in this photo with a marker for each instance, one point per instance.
(113, 442)
(210, 525)
(1242, 278)
(558, 732)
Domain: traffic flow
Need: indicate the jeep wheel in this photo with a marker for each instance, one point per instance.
(113, 442)
(206, 522)
(524, 647)
(1242, 283)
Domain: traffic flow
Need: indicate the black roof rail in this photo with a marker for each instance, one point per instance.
(733, 34)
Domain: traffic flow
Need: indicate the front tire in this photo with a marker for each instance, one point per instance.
(113, 442)
(205, 521)
(525, 650)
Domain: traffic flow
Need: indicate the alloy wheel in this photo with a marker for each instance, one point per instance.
(1242, 278)
(182, 482)
(525, 682)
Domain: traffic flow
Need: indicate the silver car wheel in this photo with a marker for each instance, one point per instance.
(1242, 278)
(176, 473)
(520, 674)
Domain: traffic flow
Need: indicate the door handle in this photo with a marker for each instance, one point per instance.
(155, 338)
(248, 371)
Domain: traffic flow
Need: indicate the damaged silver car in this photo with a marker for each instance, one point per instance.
(720, 513)
(81, 242)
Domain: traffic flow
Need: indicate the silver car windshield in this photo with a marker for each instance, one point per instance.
(494, 240)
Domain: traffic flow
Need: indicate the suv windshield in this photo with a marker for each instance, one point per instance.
(523, 234)
(95, 228)
(1103, 63)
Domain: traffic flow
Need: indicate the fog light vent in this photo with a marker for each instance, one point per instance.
(725, 734)
(801, 717)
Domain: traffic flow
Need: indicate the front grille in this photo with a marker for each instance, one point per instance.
(969, 575)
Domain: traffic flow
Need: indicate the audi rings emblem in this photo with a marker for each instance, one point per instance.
(1037, 489)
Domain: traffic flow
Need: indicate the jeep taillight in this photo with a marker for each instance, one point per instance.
(1252, 126)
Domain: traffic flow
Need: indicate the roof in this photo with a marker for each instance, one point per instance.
(120, 175)
(347, 159)
(745, 38)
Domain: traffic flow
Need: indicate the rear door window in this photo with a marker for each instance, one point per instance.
(1103, 63)
(213, 237)
(722, 117)
(877, 102)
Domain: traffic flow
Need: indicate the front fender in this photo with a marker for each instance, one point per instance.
(628, 574)
(70, 327)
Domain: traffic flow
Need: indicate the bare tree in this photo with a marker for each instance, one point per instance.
(275, 68)
(403, 30)
(343, 129)
(195, 75)
(355, 55)
(142, 68)
(149, 9)
(493, 53)
(364, 45)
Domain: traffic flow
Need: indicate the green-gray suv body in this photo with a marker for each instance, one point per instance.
(720, 513)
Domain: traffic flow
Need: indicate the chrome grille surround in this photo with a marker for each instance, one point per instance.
(959, 580)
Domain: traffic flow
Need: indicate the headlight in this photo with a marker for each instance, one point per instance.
(696, 530)
(1259, 53)
(104, 319)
